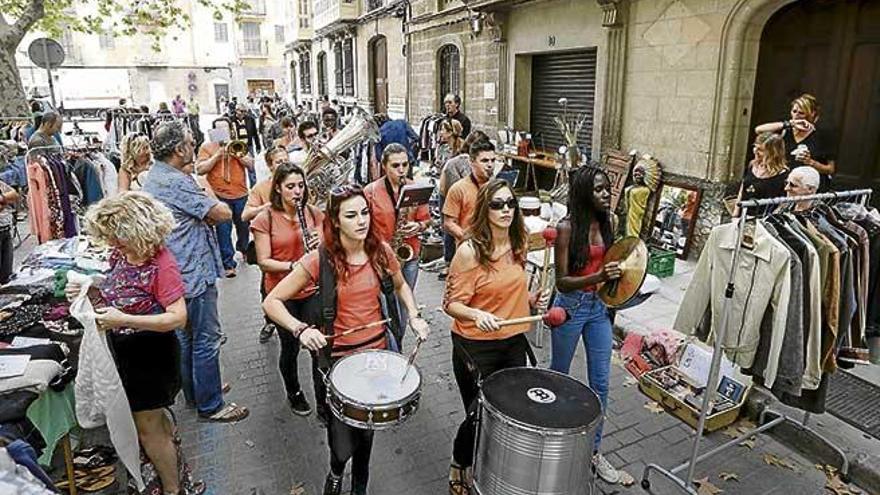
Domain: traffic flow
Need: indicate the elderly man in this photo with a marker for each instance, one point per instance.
(801, 182)
(194, 246)
(452, 105)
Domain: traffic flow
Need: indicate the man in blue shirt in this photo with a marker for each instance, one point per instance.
(195, 248)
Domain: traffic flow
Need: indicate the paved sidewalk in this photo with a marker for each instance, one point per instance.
(274, 452)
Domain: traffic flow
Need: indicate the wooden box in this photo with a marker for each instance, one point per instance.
(684, 411)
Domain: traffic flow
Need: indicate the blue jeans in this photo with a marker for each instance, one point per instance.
(410, 271)
(224, 232)
(588, 320)
(200, 353)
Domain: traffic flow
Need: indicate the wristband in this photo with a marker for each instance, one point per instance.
(299, 331)
(290, 267)
(786, 125)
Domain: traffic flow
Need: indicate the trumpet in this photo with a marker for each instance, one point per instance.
(403, 250)
(237, 148)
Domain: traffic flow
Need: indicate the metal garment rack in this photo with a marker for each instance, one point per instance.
(672, 474)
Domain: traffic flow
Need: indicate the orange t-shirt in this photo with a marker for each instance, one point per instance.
(461, 200)
(236, 186)
(260, 193)
(286, 239)
(357, 303)
(385, 220)
(500, 289)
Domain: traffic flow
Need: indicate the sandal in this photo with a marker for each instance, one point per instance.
(459, 484)
(229, 413)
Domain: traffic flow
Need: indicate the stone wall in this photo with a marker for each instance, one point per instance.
(479, 63)
(390, 28)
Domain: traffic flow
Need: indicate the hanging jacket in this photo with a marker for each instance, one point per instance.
(100, 397)
(762, 283)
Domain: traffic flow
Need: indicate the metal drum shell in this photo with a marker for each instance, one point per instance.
(516, 458)
(366, 416)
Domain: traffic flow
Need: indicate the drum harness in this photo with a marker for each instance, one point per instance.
(327, 294)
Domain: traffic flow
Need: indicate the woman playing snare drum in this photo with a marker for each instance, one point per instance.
(487, 283)
(357, 259)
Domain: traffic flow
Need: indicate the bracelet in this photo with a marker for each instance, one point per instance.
(291, 265)
(786, 125)
(299, 331)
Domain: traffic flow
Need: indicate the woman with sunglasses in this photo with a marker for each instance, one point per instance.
(487, 284)
(583, 237)
(281, 240)
(359, 261)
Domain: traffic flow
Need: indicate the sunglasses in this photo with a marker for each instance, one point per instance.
(345, 190)
(498, 204)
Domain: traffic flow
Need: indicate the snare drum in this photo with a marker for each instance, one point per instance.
(364, 390)
(536, 434)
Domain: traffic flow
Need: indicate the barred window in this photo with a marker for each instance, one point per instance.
(322, 74)
(348, 55)
(450, 78)
(340, 84)
(305, 73)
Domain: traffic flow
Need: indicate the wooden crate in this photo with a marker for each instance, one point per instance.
(684, 411)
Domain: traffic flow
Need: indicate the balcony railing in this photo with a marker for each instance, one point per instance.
(253, 48)
(328, 12)
(255, 8)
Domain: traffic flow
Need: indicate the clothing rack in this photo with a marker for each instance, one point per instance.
(672, 474)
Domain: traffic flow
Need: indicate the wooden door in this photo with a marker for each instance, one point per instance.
(380, 75)
(830, 49)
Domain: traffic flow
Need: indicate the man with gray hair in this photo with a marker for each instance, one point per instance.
(50, 126)
(452, 105)
(194, 246)
(802, 181)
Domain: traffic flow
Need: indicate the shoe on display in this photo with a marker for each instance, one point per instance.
(299, 405)
(333, 485)
(605, 470)
(266, 332)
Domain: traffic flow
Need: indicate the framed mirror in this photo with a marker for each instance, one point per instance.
(675, 218)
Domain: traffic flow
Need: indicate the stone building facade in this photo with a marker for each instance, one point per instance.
(673, 78)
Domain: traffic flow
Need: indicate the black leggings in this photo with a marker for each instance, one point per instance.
(488, 356)
(347, 442)
(6, 249)
(290, 346)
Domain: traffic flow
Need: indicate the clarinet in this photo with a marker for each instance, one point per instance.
(306, 236)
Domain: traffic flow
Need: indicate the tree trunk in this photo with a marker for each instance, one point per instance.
(13, 102)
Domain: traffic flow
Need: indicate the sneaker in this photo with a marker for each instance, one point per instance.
(605, 470)
(299, 405)
(266, 332)
(333, 484)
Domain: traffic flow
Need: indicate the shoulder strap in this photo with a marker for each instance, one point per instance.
(327, 291)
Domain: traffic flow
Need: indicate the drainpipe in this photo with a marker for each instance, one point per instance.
(408, 47)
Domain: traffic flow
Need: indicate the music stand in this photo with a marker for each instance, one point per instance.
(414, 195)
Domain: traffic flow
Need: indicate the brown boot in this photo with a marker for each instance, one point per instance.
(459, 480)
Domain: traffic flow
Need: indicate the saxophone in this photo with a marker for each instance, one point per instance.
(403, 250)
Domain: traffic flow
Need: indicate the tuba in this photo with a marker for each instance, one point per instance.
(325, 167)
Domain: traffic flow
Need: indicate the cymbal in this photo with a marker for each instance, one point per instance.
(632, 255)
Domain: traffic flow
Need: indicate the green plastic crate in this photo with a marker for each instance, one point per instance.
(661, 263)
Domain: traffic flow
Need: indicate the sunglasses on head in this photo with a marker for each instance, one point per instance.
(345, 190)
(499, 204)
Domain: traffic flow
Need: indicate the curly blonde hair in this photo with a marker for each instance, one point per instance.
(131, 147)
(133, 220)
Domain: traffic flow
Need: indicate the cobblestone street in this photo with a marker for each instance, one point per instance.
(274, 452)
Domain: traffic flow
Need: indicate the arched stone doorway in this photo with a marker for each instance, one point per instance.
(379, 74)
(831, 50)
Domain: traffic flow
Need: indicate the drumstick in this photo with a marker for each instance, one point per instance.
(549, 234)
(554, 317)
(357, 329)
(411, 360)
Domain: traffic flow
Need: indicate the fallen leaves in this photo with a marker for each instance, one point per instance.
(775, 460)
(834, 484)
(654, 407)
(705, 487)
(729, 476)
(738, 429)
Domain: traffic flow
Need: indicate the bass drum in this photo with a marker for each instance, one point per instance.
(536, 434)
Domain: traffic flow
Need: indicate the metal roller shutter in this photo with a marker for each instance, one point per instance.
(571, 75)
